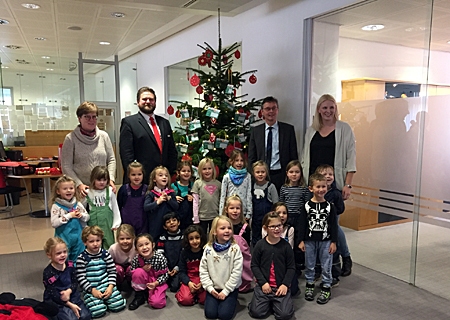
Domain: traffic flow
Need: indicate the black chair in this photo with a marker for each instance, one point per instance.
(8, 191)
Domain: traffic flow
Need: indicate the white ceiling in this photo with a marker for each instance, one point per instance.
(407, 22)
(146, 22)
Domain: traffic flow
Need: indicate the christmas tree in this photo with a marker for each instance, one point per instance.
(223, 123)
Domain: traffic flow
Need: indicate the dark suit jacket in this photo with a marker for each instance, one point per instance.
(287, 144)
(137, 142)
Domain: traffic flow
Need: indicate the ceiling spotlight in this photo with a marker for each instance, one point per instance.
(49, 69)
(21, 61)
(45, 57)
(75, 28)
(373, 27)
(3, 21)
(40, 38)
(31, 6)
(104, 43)
(12, 47)
(118, 14)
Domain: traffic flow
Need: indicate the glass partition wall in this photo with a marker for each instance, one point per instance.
(398, 218)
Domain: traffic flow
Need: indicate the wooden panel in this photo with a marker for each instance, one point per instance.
(45, 137)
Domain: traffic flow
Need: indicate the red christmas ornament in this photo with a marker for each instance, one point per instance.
(238, 145)
(211, 97)
(229, 150)
(178, 114)
(213, 120)
(186, 157)
(212, 137)
(224, 59)
(234, 92)
(241, 110)
(170, 110)
(195, 80)
(260, 113)
(237, 54)
(252, 79)
(208, 55)
(199, 89)
(217, 170)
(202, 61)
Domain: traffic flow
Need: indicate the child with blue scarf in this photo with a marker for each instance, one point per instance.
(237, 181)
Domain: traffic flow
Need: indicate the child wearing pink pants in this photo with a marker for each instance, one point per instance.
(149, 272)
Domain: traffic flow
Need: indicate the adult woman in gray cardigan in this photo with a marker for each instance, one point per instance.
(330, 141)
(87, 147)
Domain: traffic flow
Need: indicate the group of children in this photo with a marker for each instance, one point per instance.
(161, 240)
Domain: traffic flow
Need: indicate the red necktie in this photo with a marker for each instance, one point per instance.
(156, 133)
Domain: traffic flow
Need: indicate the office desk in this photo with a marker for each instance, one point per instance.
(47, 192)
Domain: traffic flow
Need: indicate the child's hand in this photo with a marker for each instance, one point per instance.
(172, 272)
(192, 287)
(196, 220)
(76, 309)
(65, 294)
(198, 286)
(152, 285)
(332, 248)
(108, 292)
(97, 293)
(179, 199)
(221, 296)
(215, 294)
(147, 267)
(282, 290)
(266, 288)
(301, 246)
(190, 198)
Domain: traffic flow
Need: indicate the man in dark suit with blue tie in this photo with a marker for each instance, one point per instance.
(273, 142)
(147, 138)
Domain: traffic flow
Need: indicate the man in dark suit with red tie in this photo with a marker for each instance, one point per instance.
(147, 138)
(275, 140)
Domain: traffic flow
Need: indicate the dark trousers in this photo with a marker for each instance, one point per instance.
(206, 225)
(221, 309)
(262, 304)
(278, 178)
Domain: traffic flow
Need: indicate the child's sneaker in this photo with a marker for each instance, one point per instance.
(335, 282)
(309, 292)
(325, 296)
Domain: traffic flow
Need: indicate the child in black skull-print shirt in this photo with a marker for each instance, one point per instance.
(318, 235)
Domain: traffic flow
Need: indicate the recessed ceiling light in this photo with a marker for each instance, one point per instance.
(31, 6)
(21, 61)
(5, 67)
(45, 57)
(75, 28)
(3, 21)
(373, 27)
(118, 14)
(48, 69)
(12, 47)
(40, 38)
(104, 43)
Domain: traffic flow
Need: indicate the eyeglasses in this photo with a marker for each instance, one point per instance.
(270, 108)
(278, 226)
(90, 117)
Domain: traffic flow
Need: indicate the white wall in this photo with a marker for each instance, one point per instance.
(272, 42)
(363, 59)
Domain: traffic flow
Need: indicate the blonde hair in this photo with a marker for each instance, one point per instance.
(152, 183)
(317, 121)
(234, 197)
(202, 164)
(212, 236)
(51, 243)
(63, 179)
(98, 173)
(234, 155)
(127, 229)
(91, 230)
(261, 163)
(291, 164)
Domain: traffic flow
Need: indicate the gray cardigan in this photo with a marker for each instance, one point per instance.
(344, 156)
(81, 153)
